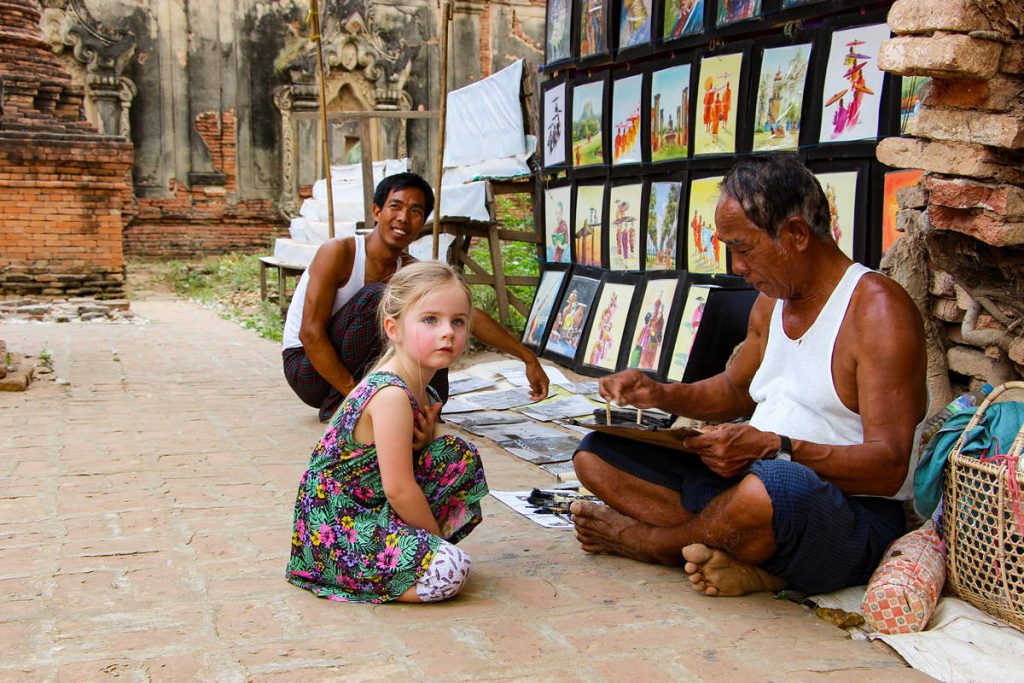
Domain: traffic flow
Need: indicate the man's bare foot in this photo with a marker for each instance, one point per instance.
(716, 572)
(600, 529)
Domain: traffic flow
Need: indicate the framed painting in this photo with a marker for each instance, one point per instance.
(558, 32)
(613, 310)
(895, 181)
(588, 99)
(704, 253)
(654, 315)
(548, 293)
(625, 204)
(845, 188)
(636, 25)
(713, 321)
(682, 18)
(570, 316)
(778, 108)
(625, 126)
(718, 100)
(910, 101)
(554, 128)
(661, 233)
(731, 11)
(852, 90)
(557, 202)
(669, 104)
(787, 4)
(592, 24)
(588, 225)
(686, 330)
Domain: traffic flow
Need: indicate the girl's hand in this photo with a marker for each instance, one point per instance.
(423, 427)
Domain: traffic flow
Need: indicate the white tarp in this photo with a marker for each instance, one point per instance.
(485, 120)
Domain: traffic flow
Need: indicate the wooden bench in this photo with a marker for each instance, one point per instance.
(284, 271)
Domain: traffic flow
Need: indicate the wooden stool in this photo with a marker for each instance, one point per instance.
(284, 271)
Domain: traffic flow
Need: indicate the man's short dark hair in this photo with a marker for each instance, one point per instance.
(402, 181)
(772, 187)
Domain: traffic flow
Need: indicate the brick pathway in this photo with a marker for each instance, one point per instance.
(144, 524)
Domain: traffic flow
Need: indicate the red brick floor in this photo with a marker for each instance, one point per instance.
(145, 512)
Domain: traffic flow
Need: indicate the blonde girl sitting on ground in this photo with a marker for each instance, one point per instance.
(375, 518)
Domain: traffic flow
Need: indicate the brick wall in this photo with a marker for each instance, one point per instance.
(964, 226)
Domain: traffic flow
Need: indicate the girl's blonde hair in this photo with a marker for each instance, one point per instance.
(410, 284)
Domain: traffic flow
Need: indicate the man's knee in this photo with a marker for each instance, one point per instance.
(589, 467)
(752, 499)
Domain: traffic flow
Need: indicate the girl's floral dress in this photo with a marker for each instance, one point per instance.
(347, 542)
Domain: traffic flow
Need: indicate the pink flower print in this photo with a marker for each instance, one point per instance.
(452, 474)
(302, 575)
(388, 558)
(326, 535)
(330, 438)
(347, 527)
(363, 492)
(348, 583)
(300, 528)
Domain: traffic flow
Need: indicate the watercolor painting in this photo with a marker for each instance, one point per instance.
(910, 101)
(683, 18)
(593, 29)
(587, 124)
(554, 125)
(635, 23)
(786, 4)
(558, 36)
(587, 226)
(780, 97)
(730, 11)
(571, 316)
(625, 130)
(608, 328)
(715, 127)
(895, 180)
(853, 85)
(841, 192)
(624, 205)
(689, 324)
(663, 226)
(704, 253)
(651, 318)
(556, 224)
(670, 113)
(543, 303)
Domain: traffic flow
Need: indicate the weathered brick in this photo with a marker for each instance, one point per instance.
(947, 310)
(940, 56)
(994, 130)
(997, 94)
(1007, 201)
(1013, 59)
(928, 16)
(969, 361)
(980, 225)
(949, 158)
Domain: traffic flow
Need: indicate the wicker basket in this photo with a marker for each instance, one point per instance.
(985, 543)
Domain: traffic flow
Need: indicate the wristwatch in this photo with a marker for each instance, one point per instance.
(785, 451)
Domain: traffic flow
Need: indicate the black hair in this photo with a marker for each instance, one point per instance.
(401, 181)
(775, 186)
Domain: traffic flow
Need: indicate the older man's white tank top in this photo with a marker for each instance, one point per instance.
(356, 281)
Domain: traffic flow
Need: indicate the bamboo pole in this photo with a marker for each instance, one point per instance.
(314, 13)
(446, 15)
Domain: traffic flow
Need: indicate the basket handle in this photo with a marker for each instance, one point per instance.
(1018, 443)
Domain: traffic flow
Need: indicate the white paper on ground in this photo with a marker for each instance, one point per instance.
(517, 501)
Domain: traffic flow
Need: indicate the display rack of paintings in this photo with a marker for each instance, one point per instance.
(852, 90)
(588, 107)
(845, 187)
(588, 225)
(779, 102)
(613, 310)
(557, 202)
(719, 98)
(549, 291)
(636, 26)
(625, 129)
(682, 19)
(669, 106)
(558, 43)
(625, 211)
(894, 181)
(570, 316)
(661, 294)
(704, 253)
(713, 321)
(731, 11)
(554, 124)
(592, 23)
(661, 225)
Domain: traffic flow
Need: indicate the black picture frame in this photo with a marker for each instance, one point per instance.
(540, 317)
(563, 338)
(882, 201)
(726, 21)
(660, 249)
(592, 31)
(559, 26)
(765, 57)
(589, 223)
(723, 325)
(552, 248)
(664, 133)
(628, 90)
(838, 171)
(721, 101)
(589, 100)
(623, 240)
(651, 290)
(554, 121)
(682, 34)
(702, 192)
(611, 331)
(631, 44)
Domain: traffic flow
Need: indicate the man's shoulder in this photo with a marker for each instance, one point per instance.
(880, 300)
(333, 260)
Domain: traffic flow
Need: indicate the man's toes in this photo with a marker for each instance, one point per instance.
(697, 553)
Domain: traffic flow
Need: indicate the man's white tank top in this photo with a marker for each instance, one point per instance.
(356, 281)
(793, 388)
